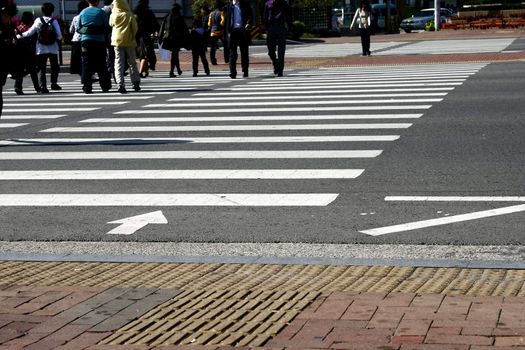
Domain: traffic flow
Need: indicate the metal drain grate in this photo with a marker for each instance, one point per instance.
(225, 317)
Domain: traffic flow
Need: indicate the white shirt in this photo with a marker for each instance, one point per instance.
(40, 48)
(75, 23)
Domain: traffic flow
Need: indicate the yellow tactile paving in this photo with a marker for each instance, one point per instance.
(247, 304)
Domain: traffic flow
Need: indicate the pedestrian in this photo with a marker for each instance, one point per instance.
(48, 34)
(93, 27)
(173, 36)
(75, 64)
(362, 17)
(123, 38)
(110, 57)
(278, 20)
(216, 25)
(238, 21)
(199, 43)
(28, 46)
(148, 26)
(7, 44)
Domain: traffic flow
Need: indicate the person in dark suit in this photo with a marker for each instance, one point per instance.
(277, 18)
(238, 21)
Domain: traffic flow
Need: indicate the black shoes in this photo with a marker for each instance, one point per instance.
(245, 75)
(172, 75)
(122, 90)
(44, 91)
(136, 87)
(56, 87)
(19, 91)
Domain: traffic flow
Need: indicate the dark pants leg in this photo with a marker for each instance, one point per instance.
(204, 61)
(175, 61)
(55, 68)
(42, 67)
(276, 41)
(94, 61)
(365, 40)
(195, 60)
(214, 42)
(234, 43)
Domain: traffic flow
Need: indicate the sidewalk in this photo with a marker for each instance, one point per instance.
(194, 306)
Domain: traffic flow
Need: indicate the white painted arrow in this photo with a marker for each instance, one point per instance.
(134, 223)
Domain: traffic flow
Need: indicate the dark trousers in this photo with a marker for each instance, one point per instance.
(42, 66)
(175, 61)
(365, 40)
(34, 78)
(3, 78)
(239, 39)
(214, 44)
(196, 53)
(276, 41)
(94, 61)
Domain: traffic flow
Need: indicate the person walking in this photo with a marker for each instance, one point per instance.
(123, 39)
(216, 25)
(7, 44)
(49, 33)
(362, 15)
(173, 36)
(75, 64)
(148, 26)
(238, 21)
(28, 47)
(93, 27)
(110, 57)
(277, 18)
(199, 43)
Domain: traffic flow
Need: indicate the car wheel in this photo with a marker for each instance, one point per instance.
(407, 30)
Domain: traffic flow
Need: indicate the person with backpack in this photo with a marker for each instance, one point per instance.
(123, 40)
(216, 25)
(198, 46)
(48, 34)
(28, 45)
(94, 27)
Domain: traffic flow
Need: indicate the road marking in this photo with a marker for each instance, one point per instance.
(168, 200)
(206, 174)
(82, 97)
(346, 86)
(249, 118)
(272, 109)
(11, 125)
(46, 104)
(134, 223)
(321, 92)
(27, 116)
(355, 80)
(456, 198)
(293, 103)
(169, 128)
(443, 221)
(44, 110)
(274, 154)
(207, 140)
(309, 97)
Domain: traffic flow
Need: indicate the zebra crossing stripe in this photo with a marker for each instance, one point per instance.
(309, 97)
(62, 103)
(27, 116)
(206, 174)
(11, 125)
(231, 127)
(274, 154)
(330, 86)
(343, 80)
(82, 97)
(168, 200)
(204, 140)
(45, 110)
(322, 92)
(248, 118)
(273, 109)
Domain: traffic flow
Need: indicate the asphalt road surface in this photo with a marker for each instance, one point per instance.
(425, 154)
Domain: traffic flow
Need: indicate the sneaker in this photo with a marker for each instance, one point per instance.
(56, 87)
(122, 90)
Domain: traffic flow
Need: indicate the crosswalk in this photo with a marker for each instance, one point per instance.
(319, 125)
(432, 47)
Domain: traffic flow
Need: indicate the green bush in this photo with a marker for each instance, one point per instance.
(429, 26)
(298, 30)
(197, 5)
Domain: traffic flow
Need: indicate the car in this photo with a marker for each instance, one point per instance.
(420, 19)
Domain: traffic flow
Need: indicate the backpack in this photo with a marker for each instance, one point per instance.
(46, 33)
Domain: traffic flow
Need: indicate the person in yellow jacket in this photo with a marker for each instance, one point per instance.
(123, 40)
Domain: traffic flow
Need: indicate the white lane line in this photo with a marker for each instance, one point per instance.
(11, 125)
(118, 95)
(271, 109)
(456, 198)
(82, 97)
(309, 97)
(293, 103)
(206, 174)
(443, 221)
(46, 104)
(275, 154)
(321, 92)
(249, 118)
(28, 116)
(168, 200)
(286, 127)
(204, 140)
(44, 110)
(343, 80)
(343, 75)
(329, 86)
